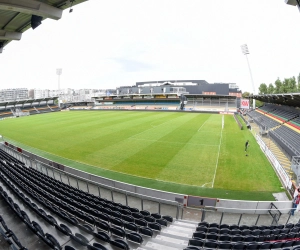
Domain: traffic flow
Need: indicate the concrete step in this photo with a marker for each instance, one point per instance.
(180, 229)
(185, 223)
(178, 234)
(157, 246)
(169, 241)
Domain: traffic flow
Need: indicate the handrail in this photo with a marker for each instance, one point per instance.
(142, 197)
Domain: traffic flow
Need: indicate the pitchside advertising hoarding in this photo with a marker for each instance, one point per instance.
(245, 103)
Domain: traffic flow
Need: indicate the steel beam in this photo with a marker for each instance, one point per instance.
(31, 7)
(9, 35)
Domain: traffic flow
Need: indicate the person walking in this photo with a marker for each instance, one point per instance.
(246, 147)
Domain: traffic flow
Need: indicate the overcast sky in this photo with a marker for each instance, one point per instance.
(106, 44)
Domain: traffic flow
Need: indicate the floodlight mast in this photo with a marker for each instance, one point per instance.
(58, 73)
(245, 51)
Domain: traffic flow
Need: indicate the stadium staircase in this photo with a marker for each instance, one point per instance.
(49, 107)
(36, 110)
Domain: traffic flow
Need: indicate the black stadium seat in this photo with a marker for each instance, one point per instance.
(99, 246)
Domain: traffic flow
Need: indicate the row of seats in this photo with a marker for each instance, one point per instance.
(290, 135)
(224, 236)
(49, 239)
(104, 211)
(251, 228)
(288, 139)
(196, 244)
(5, 113)
(131, 219)
(9, 235)
(32, 225)
(297, 120)
(85, 198)
(262, 120)
(284, 112)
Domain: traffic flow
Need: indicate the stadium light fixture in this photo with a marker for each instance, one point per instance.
(36, 21)
(246, 52)
(58, 73)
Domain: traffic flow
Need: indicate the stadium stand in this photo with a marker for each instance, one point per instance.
(263, 120)
(223, 236)
(288, 139)
(79, 218)
(281, 122)
(28, 107)
(5, 113)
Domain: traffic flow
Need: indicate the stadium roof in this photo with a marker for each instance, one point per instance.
(288, 99)
(17, 16)
(22, 102)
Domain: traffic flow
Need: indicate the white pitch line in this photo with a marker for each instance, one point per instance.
(202, 125)
(213, 182)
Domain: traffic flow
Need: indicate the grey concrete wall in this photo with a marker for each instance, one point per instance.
(251, 207)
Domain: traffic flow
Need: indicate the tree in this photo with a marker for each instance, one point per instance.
(292, 85)
(246, 94)
(278, 86)
(258, 103)
(263, 89)
(271, 88)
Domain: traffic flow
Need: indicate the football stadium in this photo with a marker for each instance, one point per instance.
(167, 165)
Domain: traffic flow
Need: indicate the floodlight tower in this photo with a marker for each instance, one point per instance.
(58, 73)
(245, 51)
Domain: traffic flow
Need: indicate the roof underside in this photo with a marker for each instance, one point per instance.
(288, 99)
(16, 15)
(21, 102)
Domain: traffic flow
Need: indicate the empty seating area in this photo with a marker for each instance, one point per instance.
(5, 113)
(283, 113)
(295, 123)
(41, 109)
(7, 234)
(288, 139)
(33, 106)
(213, 236)
(64, 217)
(267, 108)
(262, 120)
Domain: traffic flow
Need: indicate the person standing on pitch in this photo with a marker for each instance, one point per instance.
(246, 146)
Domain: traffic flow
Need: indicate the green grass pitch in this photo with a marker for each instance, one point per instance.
(188, 153)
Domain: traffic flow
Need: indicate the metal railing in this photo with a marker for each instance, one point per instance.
(161, 206)
(154, 205)
(228, 216)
